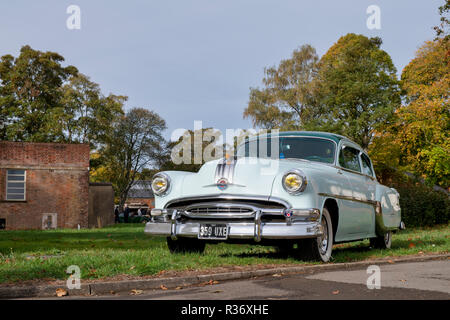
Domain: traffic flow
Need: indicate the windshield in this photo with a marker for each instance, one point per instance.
(312, 149)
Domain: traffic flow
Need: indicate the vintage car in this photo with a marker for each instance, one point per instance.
(294, 190)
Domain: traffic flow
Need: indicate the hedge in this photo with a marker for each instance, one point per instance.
(421, 205)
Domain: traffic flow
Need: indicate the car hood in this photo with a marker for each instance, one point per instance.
(249, 176)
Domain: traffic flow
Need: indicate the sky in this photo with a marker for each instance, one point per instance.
(193, 60)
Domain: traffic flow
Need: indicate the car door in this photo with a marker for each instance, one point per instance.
(359, 215)
(371, 185)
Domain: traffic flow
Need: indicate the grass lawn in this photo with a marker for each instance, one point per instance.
(125, 250)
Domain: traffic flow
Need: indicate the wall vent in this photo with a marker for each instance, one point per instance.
(49, 221)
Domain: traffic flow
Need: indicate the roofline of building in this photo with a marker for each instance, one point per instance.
(43, 143)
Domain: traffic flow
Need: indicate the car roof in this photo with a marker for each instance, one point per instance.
(317, 134)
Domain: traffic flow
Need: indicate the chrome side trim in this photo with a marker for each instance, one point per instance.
(371, 202)
(227, 196)
(355, 172)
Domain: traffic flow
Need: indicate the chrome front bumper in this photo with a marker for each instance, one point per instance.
(168, 223)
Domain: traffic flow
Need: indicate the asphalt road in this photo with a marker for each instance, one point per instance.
(418, 280)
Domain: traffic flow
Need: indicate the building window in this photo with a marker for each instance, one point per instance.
(15, 185)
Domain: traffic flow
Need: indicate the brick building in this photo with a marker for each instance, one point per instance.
(43, 185)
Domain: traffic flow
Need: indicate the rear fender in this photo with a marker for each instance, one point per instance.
(388, 211)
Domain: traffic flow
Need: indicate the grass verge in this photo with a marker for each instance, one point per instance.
(125, 250)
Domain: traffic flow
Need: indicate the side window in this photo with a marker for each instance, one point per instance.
(349, 158)
(366, 165)
(15, 185)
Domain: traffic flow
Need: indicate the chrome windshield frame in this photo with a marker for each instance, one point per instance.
(300, 137)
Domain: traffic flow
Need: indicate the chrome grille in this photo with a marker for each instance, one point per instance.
(227, 206)
(219, 210)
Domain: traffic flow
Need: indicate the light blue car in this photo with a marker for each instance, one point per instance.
(310, 189)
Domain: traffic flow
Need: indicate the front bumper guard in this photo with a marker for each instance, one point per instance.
(297, 225)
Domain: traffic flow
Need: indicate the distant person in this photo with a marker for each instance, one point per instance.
(116, 214)
(126, 213)
(139, 212)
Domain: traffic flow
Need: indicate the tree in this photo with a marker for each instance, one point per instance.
(357, 89)
(134, 144)
(42, 101)
(87, 113)
(192, 150)
(421, 132)
(442, 30)
(30, 95)
(286, 101)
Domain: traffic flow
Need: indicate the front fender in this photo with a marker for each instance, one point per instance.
(176, 183)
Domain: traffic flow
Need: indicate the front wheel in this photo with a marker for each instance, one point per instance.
(185, 245)
(382, 242)
(319, 249)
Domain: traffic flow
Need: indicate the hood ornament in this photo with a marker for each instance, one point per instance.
(222, 184)
(224, 174)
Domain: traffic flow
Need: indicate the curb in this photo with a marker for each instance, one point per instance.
(121, 286)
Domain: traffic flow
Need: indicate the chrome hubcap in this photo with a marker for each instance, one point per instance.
(322, 241)
(386, 238)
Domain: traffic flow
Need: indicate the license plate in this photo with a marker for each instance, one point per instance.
(213, 231)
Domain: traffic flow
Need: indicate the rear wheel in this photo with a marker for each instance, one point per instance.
(382, 242)
(185, 245)
(319, 249)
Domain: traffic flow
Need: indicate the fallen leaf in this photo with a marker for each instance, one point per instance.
(178, 288)
(61, 292)
(411, 245)
(420, 252)
(390, 261)
(132, 267)
(112, 292)
(136, 292)
(335, 292)
(276, 275)
(403, 280)
(163, 287)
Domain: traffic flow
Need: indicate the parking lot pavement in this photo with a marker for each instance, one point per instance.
(418, 280)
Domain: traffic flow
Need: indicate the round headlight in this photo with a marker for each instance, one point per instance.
(160, 184)
(294, 181)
